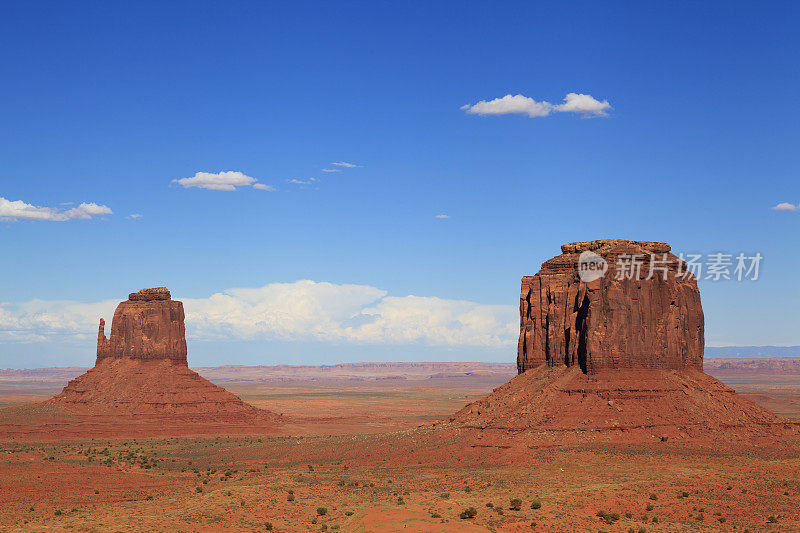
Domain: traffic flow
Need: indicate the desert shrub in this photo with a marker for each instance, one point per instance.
(607, 517)
(467, 489)
(97, 491)
(322, 511)
(516, 504)
(469, 512)
(786, 493)
(729, 488)
(772, 519)
(290, 497)
(241, 503)
(445, 495)
(499, 510)
(435, 515)
(400, 500)
(310, 468)
(489, 504)
(149, 497)
(653, 496)
(655, 520)
(722, 519)
(198, 489)
(536, 504)
(348, 513)
(335, 526)
(628, 515)
(700, 517)
(642, 530)
(314, 520)
(649, 507)
(341, 483)
(268, 526)
(57, 512)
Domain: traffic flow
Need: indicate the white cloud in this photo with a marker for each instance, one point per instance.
(330, 170)
(509, 104)
(346, 165)
(134, 216)
(786, 206)
(442, 216)
(299, 311)
(522, 105)
(583, 103)
(223, 181)
(299, 181)
(263, 187)
(19, 210)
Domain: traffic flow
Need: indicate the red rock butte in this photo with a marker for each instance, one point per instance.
(142, 372)
(615, 354)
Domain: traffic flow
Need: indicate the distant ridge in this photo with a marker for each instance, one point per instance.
(752, 351)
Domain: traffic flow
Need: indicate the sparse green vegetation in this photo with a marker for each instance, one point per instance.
(469, 512)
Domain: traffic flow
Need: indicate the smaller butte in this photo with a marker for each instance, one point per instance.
(142, 374)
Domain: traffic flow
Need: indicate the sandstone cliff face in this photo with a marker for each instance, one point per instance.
(150, 325)
(142, 371)
(611, 323)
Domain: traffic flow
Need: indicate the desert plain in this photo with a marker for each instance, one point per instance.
(360, 452)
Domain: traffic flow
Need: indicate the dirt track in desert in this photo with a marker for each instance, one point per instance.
(353, 460)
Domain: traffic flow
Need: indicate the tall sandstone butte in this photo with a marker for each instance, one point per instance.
(150, 325)
(142, 372)
(644, 312)
(615, 355)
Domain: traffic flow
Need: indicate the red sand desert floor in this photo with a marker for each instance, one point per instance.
(354, 460)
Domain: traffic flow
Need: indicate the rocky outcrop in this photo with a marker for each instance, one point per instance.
(643, 312)
(150, 325)
(142, 371)
(608, 354)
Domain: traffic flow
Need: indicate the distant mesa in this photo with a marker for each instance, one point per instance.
(614, 358)
(142, 370)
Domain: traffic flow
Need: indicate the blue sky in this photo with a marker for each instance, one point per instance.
(107, 105)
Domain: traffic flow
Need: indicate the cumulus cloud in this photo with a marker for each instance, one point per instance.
(222, 181)
(346, 165)
(517, 104)
(40, 320)
(297, 181)
(583, 104)
(442, 216)
(263, 187)
(299, 311)
(134, 216)
(19, 210)
(786, 206)
(330, 170)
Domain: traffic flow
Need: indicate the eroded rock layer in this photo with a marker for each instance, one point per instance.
(564, 405)
(642, 313)
(142, 371)
(150, 325)
(613, 356)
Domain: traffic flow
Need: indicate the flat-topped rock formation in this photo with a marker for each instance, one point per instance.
(609, 354)
(642, 313)
(149, 326)
(142, 370)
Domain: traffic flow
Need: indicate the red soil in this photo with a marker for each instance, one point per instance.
(563, 405)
